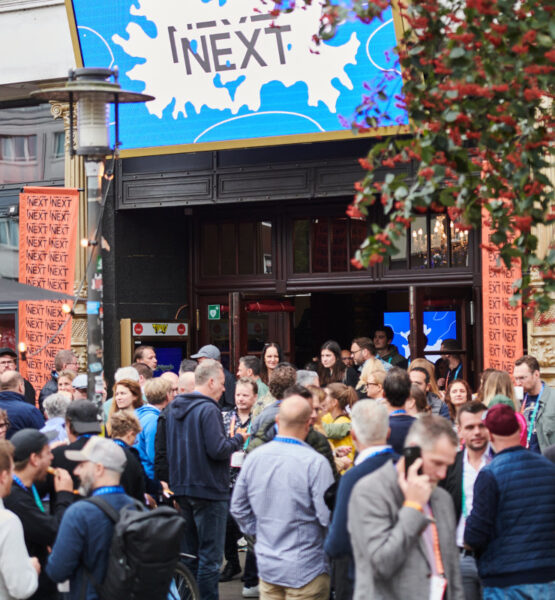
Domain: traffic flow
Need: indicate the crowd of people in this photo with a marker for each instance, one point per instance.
(361, 475)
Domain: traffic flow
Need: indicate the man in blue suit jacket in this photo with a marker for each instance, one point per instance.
(370, 424)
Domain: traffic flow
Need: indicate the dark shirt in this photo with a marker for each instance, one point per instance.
(399, 426)
(30, 394)
(133, 477)
(39, 529)
(50, 387)
(161, 468)
(20, 414)
(60, 460)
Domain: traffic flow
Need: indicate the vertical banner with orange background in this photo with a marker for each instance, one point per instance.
(48, 219)
(502, 322)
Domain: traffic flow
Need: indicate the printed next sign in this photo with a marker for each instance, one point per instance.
(228, 73)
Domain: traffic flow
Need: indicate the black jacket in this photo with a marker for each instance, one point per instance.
(133, 477)
(161, 468)
(39, 529)
(453, 483)
(30, 394)
(60, 460)
(50, 387)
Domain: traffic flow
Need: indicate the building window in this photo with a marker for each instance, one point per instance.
(59, 144)
(431, 243)
(243, 248)
(326, 244)
(18, 148)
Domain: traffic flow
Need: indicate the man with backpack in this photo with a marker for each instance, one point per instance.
(109, 546)
(85, 533)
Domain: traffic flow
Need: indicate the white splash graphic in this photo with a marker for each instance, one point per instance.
(221, 56)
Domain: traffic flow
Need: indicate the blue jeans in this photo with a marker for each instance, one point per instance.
(527, 591)
(470, 579)
(205, 538)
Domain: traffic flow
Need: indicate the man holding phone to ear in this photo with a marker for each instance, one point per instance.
(402, 525)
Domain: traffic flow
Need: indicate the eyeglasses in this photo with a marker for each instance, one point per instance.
(353, 352)
(5, 363)
(372, 383)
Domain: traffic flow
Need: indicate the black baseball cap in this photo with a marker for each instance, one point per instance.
(27, 442)
(84, 416)
(6, 350)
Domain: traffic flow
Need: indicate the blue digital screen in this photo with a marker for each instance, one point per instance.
(169, 358)
(438, 326)
(229, 70)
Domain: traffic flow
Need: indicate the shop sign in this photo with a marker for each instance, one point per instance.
(229, 73)
(143, 329)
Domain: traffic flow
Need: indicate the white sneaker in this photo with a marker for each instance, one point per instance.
(251, 592)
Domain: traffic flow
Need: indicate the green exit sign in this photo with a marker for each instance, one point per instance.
(213, 312)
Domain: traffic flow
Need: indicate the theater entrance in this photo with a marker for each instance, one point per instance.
(241, 323)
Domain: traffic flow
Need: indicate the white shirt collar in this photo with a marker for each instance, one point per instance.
(367, 452)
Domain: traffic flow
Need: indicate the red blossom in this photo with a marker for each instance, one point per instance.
(356, 263)
(363, 162)
(375, 259)
(523, 222)
(353, 212)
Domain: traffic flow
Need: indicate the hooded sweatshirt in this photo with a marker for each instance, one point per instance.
(198, 449)
(148, 417)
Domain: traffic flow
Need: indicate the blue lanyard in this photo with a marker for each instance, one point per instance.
(85, 435)
(120, 443)
(401, 411)
(534, 415)
(379, 453)
(449, 378)
(288, 440)
(108, 489)
(36, 496)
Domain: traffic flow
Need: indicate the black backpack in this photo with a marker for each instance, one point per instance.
(143, 554)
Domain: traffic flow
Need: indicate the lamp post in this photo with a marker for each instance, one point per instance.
(94, 89)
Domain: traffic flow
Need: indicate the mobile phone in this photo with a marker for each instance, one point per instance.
(411, 453)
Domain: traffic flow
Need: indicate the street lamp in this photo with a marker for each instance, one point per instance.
(94, 89)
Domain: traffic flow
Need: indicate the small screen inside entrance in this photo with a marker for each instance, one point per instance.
(438, 326)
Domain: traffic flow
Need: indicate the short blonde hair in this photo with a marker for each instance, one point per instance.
(157, 390)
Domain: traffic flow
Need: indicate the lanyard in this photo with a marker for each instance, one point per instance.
(534, 415)
(437, 551)
(232, 430)
(378, 453)
(108, 489)
(85, 435)
(120, 443)
(288, 440)
(36, 496)
(457, 371)
(390, 359)
(401, 411)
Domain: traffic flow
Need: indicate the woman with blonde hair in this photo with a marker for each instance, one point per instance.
(499, 382)
(370, 366)
(339, 400)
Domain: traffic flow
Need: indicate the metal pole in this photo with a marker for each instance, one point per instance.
(94, 170)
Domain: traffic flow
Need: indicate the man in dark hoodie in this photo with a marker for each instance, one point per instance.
(199, 454)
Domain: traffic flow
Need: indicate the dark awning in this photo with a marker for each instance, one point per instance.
(12, 291)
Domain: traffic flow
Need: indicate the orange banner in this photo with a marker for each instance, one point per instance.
(47, 241)
(502, 322)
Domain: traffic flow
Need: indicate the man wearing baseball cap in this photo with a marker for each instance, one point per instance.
(83, 421)
(227, 401)
(513, 515)
(32, 458)
(85, 533)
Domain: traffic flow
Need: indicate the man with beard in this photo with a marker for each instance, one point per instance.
(32, 458)
(83, 541)
(460, 484)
